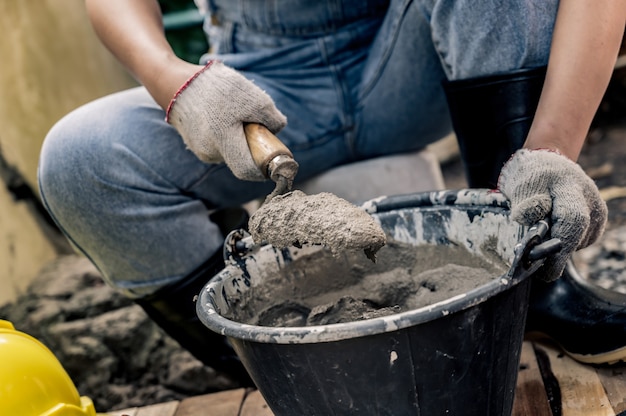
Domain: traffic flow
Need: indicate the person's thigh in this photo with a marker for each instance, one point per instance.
(478, 38)
(401, 104)
(122, 186)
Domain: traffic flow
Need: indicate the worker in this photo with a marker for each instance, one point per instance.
(139, 181)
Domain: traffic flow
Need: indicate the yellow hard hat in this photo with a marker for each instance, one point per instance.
(32, 380)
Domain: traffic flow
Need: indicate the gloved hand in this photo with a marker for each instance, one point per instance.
(543, 184)
(209, 111)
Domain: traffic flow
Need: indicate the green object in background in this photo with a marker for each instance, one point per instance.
(182, 20)
(183, 29)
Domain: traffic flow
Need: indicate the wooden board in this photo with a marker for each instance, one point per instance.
(530, 394)
(614, 381)
(255, 405)
(164, 409)
(161, 409)
(582, 393)
(225, 403)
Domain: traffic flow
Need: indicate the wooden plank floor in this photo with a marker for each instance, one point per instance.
(549, 384)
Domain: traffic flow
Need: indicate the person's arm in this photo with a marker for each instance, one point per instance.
(585, 44)
(542, 180)
(133, 32)
(207, 105)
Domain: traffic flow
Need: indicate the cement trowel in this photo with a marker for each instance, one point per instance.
(292, 218)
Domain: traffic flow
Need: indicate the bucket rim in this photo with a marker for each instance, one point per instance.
(460, 197)
(349, 330)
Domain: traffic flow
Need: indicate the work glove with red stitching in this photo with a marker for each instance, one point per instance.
(209, 111)
(543, 184)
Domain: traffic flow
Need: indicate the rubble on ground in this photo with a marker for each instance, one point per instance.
(110, 348)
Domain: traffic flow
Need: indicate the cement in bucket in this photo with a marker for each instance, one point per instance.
(458, 356)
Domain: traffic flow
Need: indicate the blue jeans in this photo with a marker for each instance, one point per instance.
(356, 79)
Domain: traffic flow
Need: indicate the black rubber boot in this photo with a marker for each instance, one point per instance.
(173, 308)
(491, 117)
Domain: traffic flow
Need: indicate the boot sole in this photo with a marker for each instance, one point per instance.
(605, 358)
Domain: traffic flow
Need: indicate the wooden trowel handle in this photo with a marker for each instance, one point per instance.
(265, 147)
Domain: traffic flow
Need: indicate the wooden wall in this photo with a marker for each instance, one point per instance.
(51, 63)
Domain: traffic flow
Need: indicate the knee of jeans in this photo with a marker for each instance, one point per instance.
(64, 164)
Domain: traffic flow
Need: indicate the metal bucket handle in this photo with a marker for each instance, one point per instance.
(532, 251)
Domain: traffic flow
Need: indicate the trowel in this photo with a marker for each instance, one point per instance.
(292, 218)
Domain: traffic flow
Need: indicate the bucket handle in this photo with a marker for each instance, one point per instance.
(533, 250)
(235, 246)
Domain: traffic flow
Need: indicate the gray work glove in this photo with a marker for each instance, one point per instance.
(209, 112)
(542, 184)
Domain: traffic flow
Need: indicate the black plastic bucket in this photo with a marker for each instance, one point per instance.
(459, 356)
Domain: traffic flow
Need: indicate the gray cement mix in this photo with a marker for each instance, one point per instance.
(295, 218)
(322, 289)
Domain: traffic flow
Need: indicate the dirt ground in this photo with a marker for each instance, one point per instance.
(603, 157)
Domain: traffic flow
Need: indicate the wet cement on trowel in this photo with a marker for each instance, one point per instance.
(322, 289)
(295, 219)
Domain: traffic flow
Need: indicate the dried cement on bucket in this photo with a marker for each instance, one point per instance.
(295, 218)
(321, 289)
